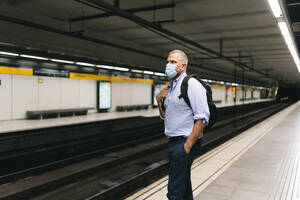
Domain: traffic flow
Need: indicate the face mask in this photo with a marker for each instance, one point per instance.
(171, 70)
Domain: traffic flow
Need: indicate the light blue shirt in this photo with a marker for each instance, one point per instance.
(179, 117)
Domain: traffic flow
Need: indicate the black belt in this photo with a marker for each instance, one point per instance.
(177, 138)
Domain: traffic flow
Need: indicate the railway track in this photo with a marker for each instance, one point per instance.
(94, 175)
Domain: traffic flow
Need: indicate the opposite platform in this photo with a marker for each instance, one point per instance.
(259, 164)
(24, 124)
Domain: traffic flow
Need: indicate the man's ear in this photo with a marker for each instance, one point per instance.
(184, 67)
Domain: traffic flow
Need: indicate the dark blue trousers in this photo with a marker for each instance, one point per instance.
(179, 185)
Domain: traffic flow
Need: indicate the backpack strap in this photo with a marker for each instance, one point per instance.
(184, 90)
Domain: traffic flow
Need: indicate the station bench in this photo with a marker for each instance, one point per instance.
(247, 99)
(217, 101)
(132, 107)
(41, 114)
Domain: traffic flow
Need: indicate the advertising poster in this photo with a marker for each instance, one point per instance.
(104, 95)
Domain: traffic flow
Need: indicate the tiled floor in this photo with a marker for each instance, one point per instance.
(23, 124)
(260, 164)
(268, 170)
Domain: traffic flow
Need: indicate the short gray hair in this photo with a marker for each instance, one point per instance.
(182, 54)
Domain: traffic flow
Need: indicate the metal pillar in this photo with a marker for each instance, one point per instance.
(221, 46)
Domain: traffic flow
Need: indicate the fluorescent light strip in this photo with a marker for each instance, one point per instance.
(159, 74)
(8, 53)
(275, 7)
(277, 12)
(62, 61)
(85, 64)
(104, 66)
(137, 71)
(33, 57)
(121, 69)
(285, 32)
(148, 72)
(288, 39)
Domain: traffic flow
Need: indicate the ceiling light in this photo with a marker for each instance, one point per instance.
(62, 61)
(8, 53)
(105, 66)
(33, 57)
(285, 32)
(85, 64)
(274, 4)
(137, 71)
(159, 74)
(121, 69)
(289, 41)
(148, 72)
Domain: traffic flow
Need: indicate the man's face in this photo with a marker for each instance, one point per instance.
(176, 59)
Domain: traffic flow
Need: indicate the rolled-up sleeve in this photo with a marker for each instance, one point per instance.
(198, 100)
(161, 117)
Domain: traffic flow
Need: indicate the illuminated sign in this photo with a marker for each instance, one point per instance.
(104, 95)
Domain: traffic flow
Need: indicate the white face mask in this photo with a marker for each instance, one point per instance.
(171, 71)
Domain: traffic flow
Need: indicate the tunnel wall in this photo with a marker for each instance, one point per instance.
(288, 93)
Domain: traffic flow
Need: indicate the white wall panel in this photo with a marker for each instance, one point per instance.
(126, 93)
(6, 97)
(48, 91)
(218, 94)
(230, 94)
(69, 93)
(239, 94)
(141, 93)
(130, 94)
(25, 95)
(116, 95)
(87, 92)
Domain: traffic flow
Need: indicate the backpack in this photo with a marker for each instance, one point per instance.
(212, 107)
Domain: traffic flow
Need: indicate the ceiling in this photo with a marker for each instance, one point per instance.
(293, 9)
(218, 36)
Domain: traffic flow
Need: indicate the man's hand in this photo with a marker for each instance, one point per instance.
(187, 148)
(159, 98)
(194, 136)
(162, 94)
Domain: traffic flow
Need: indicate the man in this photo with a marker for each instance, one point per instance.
(183, 124)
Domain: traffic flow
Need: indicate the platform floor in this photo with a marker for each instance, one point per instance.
(262, 163)
(24, 124)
